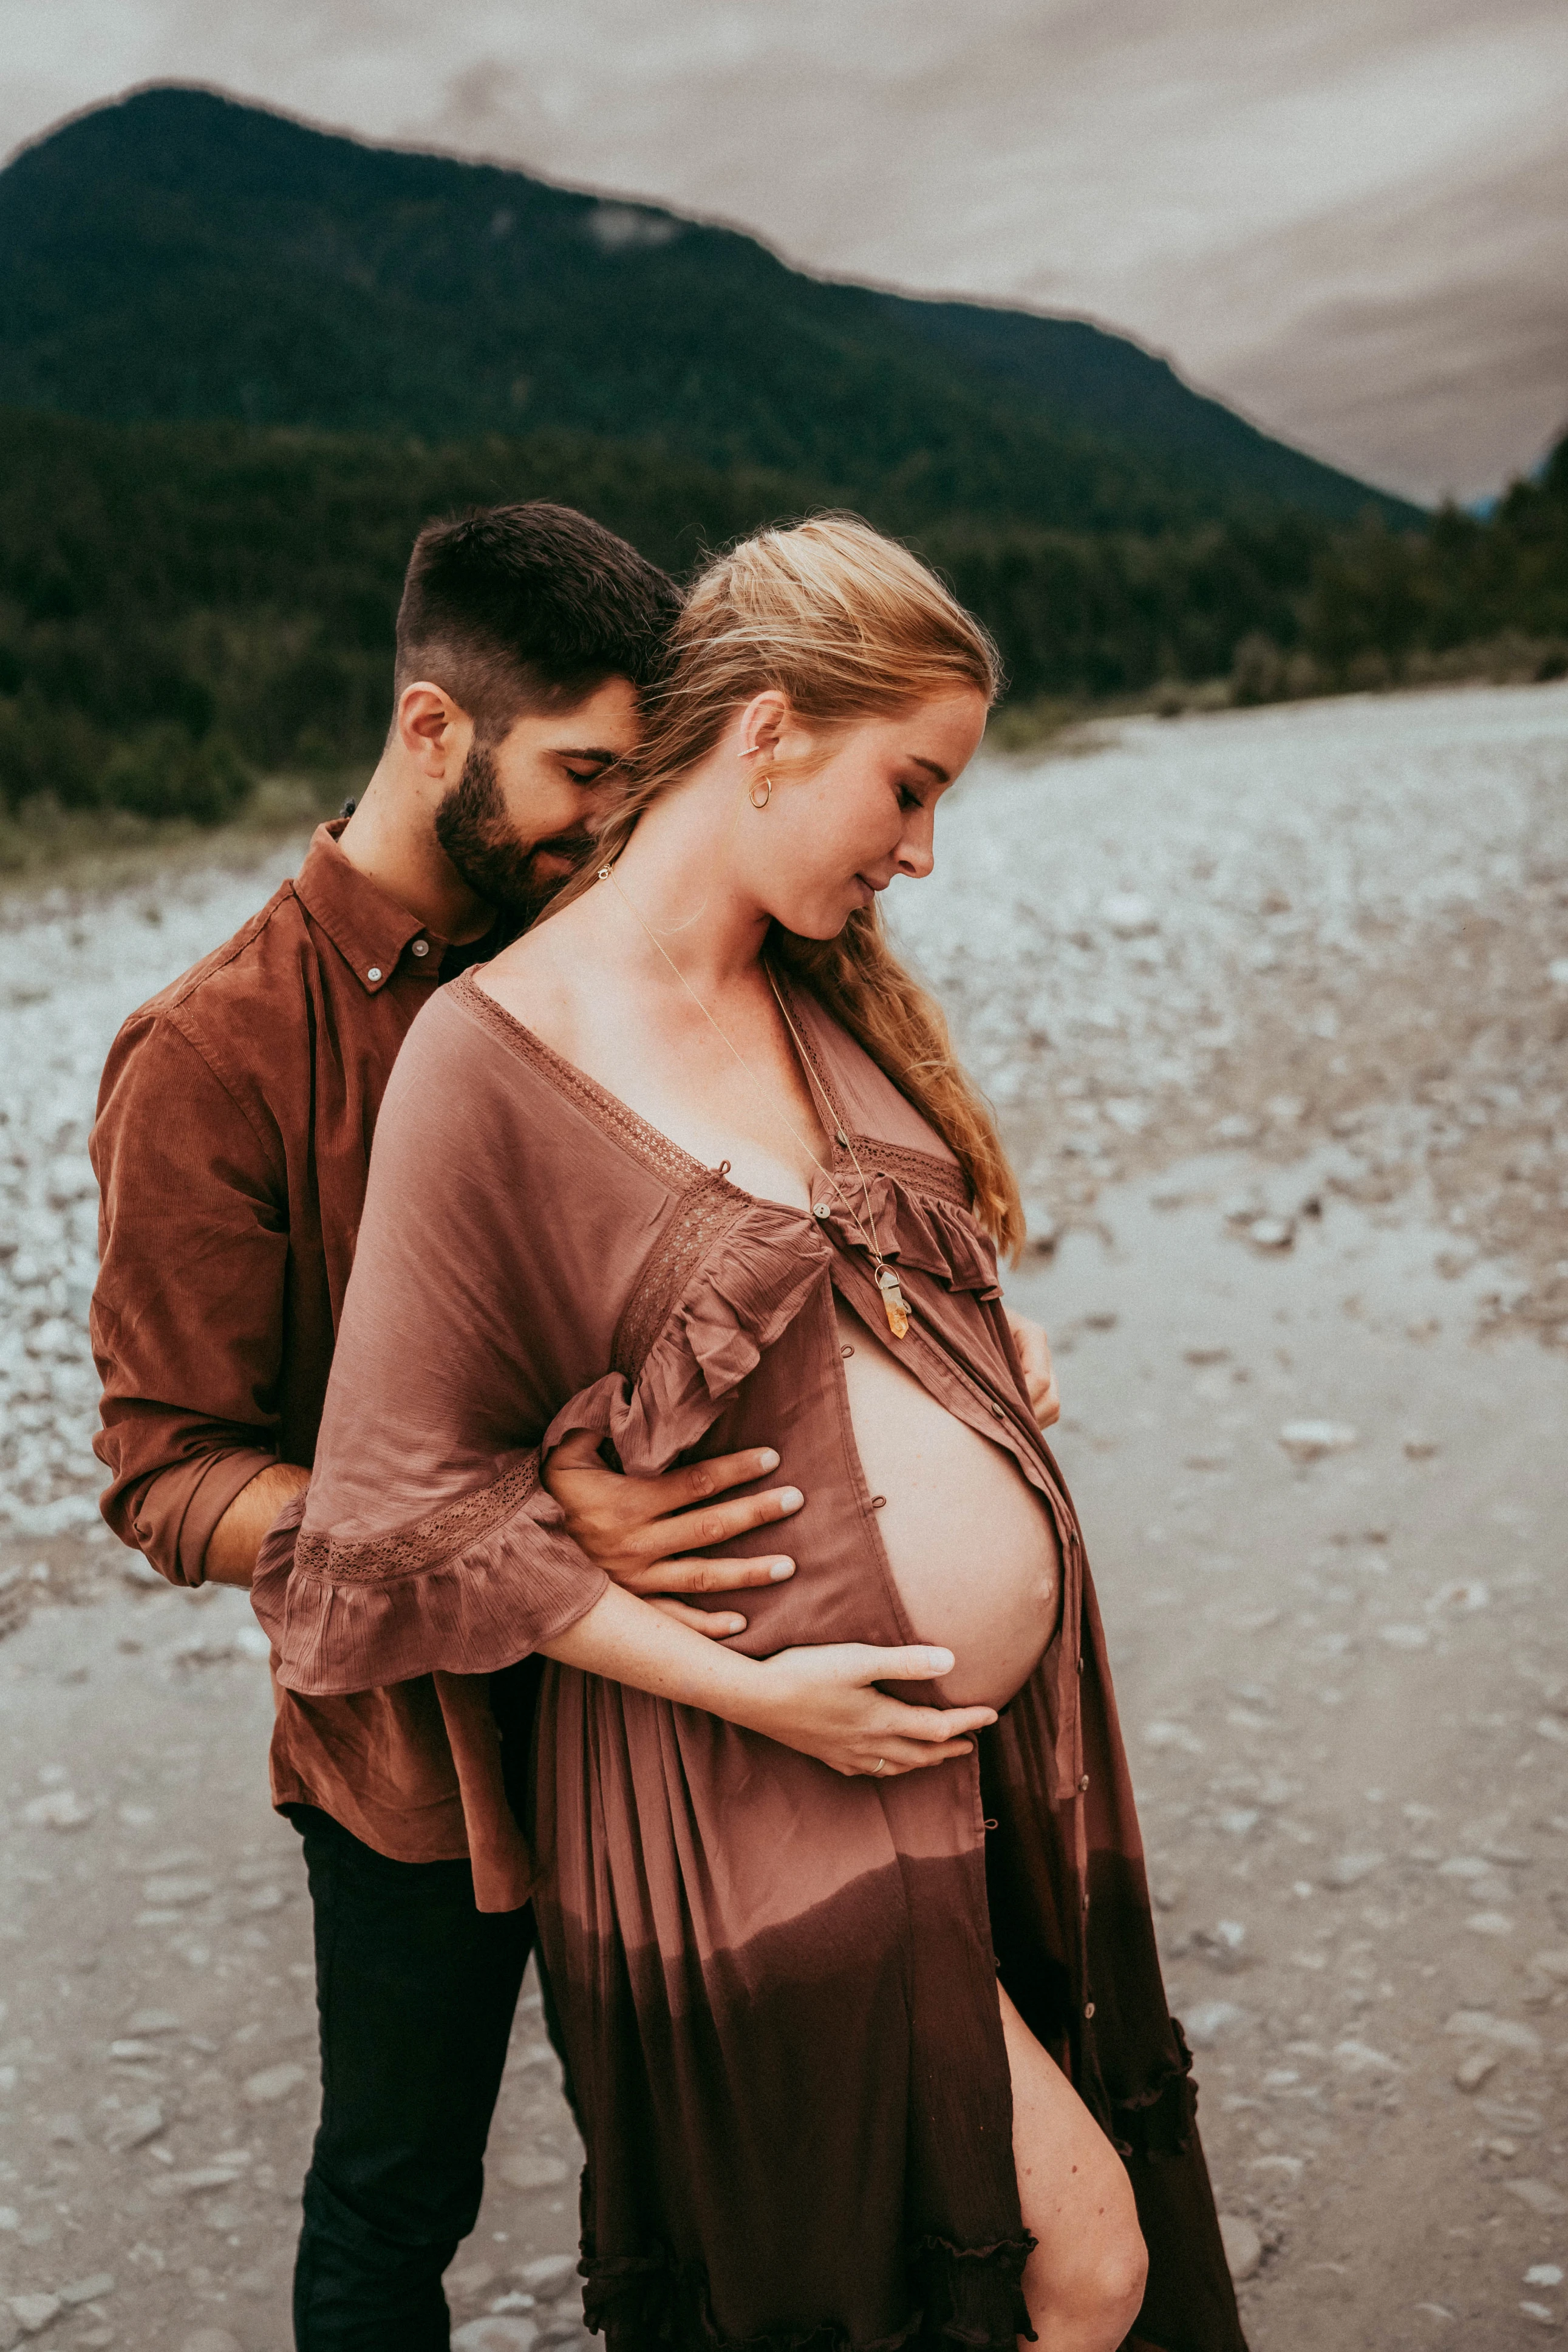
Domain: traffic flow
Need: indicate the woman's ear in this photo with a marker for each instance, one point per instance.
(762, 723)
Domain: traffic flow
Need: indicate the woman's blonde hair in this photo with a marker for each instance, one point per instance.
(848, 625)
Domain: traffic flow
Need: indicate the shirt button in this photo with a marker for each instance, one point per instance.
(879, 1502)
(1084, 1783)
(1088, 2009)
(998, 1412)
(821, 1209)
(421, 947)
(375, 972)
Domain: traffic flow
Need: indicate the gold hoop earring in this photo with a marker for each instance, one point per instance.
(767, 783)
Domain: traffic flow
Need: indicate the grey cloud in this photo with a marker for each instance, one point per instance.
(1348, 216)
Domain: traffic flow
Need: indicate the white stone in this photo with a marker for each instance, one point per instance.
(1308, 1441)
(498, 2333)
(1541, 2197)
(550, 2275)
(1204, 2023)
(273, 2083)
(533, 2167)
(1480, 2025)
(60, 1809)
(1361, 2058)
(34, 2312)
(88, 2290)
(1243, 2247)
(134, 2127)
(1348, 1870)
(1173, 1735)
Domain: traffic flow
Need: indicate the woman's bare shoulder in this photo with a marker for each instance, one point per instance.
(543, 978)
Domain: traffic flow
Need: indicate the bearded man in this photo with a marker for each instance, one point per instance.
(232, 1147)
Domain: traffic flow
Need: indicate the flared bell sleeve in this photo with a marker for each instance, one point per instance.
(427, 1542)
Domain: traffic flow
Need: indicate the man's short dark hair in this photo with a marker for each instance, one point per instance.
(534, 606)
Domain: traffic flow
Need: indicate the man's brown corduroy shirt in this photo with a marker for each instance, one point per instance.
(232, 1147)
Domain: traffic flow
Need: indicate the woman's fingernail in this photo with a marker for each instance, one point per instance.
(780, 1568)
(939, 1660)
(767, 1459)
(789, 1498)
(736, 1625)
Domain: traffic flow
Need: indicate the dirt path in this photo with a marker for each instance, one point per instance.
(1307, 1165)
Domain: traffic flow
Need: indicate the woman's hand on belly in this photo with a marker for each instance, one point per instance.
(824, 1702)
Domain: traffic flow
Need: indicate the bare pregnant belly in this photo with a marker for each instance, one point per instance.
(971, 1543)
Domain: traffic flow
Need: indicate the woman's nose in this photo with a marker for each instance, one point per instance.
(917, 856)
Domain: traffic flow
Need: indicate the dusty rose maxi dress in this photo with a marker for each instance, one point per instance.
(775, 1987)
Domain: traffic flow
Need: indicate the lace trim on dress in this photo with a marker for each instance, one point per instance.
(702, 1218)
(967, 2295)
(918, 1171)
(427, 1543)
(655, 1150)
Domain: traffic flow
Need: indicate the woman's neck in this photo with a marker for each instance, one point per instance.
(677, 876)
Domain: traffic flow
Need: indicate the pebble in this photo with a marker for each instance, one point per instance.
(1553, 1964)
(210, 2339)
(60, 1809)
(34, 2312)
(1480, 2025)
(1472, 2071)
(533, 2167)
(496, 2333)
(1489, 1923)
(1243, 2247)
(134, 2127)
(1208, 2020)
(1348, 1870)
(273, 2083)
(550, 2275)
(1541, 2197)
(1308, 1441)
(1543, 2274)
(88, 2290)
(1361, 2058)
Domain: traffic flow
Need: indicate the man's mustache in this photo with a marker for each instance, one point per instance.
(574, 846)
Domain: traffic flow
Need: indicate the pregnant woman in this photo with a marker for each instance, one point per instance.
(863, 2028)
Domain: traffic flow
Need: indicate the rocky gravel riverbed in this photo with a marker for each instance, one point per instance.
(1276, 1008)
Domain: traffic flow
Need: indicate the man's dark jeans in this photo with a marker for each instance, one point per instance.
(416, 1991)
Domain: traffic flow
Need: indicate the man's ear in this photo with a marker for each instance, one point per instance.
(434, 730)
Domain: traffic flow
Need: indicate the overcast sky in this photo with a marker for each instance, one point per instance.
(1348, 217)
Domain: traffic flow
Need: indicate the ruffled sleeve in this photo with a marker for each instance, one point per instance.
(471, 1588)
(426, 1543)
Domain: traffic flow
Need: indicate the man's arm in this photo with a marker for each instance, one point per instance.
(232, 1547)
(187, 1314)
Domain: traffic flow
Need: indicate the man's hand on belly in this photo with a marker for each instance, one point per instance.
(641, 1531)
(1040, 1375)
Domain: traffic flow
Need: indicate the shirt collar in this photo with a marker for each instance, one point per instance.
(369, 930)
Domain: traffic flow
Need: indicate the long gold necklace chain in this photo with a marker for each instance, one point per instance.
(893, 1301)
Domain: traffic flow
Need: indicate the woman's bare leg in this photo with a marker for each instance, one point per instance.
(1084, 2281)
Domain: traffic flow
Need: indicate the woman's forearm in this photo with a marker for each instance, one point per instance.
(630, 1641)
(826, 1701)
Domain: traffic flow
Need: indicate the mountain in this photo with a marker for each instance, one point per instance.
(178, 256)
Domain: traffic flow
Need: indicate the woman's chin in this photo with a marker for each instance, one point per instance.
(819, 921)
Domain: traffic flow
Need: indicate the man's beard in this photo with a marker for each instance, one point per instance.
(494, 860)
